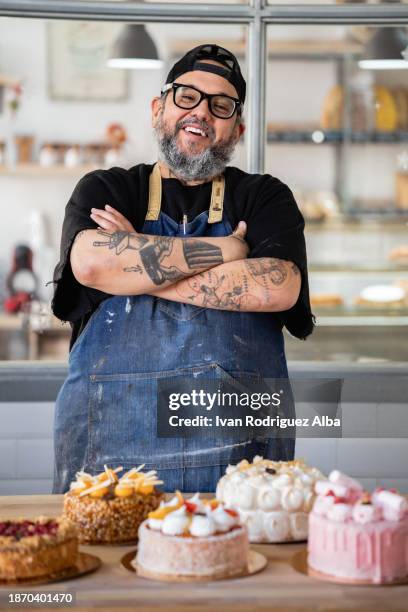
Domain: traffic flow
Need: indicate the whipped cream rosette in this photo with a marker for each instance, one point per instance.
(273, 498)
(356, 536)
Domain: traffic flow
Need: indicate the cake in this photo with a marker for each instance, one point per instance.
(192, 538)
(381, 296)
(107, 509)
(36, 548)
(273, 498)
(355, 536)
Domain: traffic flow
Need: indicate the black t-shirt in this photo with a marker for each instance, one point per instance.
(274, 229)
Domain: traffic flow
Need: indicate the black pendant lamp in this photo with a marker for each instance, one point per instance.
(134, 49)
(387, 49)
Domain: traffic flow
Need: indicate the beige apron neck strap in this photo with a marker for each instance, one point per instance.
(155, 196)
(217, 200)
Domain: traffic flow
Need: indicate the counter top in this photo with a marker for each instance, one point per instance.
(278, 586)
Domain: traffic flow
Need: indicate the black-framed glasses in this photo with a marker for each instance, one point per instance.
(187, 97)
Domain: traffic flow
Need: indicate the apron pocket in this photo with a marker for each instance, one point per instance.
(122, 419)
(179, 311)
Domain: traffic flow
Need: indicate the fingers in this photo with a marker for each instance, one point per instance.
(240, 230)
(110, 219)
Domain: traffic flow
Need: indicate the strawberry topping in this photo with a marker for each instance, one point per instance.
(24, 529)
(190, 507)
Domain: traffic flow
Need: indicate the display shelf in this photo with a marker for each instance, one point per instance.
(372, 320)
(358, 268)
(318, 136)
(321, 50)
(37, 170)
(393, 223)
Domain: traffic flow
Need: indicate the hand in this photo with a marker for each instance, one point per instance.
(111, 220)
(237, 246)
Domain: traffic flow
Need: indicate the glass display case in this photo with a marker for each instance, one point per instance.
(336, 134)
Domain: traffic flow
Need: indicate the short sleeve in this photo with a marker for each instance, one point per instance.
(276, 229)
(72, 300)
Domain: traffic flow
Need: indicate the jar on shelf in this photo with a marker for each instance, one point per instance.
(362, 102)
(401, 181)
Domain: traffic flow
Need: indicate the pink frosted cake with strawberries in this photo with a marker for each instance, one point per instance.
(355, 536)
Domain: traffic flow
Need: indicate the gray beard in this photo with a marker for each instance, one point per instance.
(191, 167)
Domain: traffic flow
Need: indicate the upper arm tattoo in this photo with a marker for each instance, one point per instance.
(267, 270)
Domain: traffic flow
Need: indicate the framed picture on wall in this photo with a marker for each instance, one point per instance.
(77, 54)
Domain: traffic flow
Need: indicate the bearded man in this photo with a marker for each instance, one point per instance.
(157, 285)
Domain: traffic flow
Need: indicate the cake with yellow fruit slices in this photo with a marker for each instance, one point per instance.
(273, 498)
(194, 538)
(108, 509)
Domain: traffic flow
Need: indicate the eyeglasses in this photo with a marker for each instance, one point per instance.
(187, 97)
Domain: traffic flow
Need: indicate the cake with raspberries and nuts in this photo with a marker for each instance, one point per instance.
(107, 509)
(355, 536)
(273, 498)
(194, 538)
(36, 548)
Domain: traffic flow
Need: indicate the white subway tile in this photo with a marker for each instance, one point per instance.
(25, 487)
(368, 483)
(8, 467)
(373, 458)
(359, 420)
(26, 419)
(317, 452)
(393, 420)
(401, 484)
(35, 458)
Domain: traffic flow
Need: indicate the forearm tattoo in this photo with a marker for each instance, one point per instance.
(266, 271)
(198, 254)
(212, 289)
(236, 290)
(121, 240)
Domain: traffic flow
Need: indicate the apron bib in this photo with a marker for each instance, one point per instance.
(106, 409)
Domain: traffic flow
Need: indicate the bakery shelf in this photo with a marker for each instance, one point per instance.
(372, 320)
(358, 268)
(393, 223)
(37, 170)
(318, 136)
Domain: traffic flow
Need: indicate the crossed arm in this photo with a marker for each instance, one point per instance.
(209, 272)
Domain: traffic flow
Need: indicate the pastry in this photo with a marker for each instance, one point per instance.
(356, 536)
(326, 299)
(36, 548)
(399, 253)
(192, 538)
(273, 498)
(109, 510)
(381, 296)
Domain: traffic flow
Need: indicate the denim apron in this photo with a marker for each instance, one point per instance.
(106, 408)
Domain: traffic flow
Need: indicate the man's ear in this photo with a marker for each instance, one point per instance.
(239, 130)
(156, 105)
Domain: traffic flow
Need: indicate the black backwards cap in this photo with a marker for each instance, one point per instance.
(192, 60)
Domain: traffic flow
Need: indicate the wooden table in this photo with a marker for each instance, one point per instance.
(278, 586)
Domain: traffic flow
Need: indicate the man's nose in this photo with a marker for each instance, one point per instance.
(203, 109)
